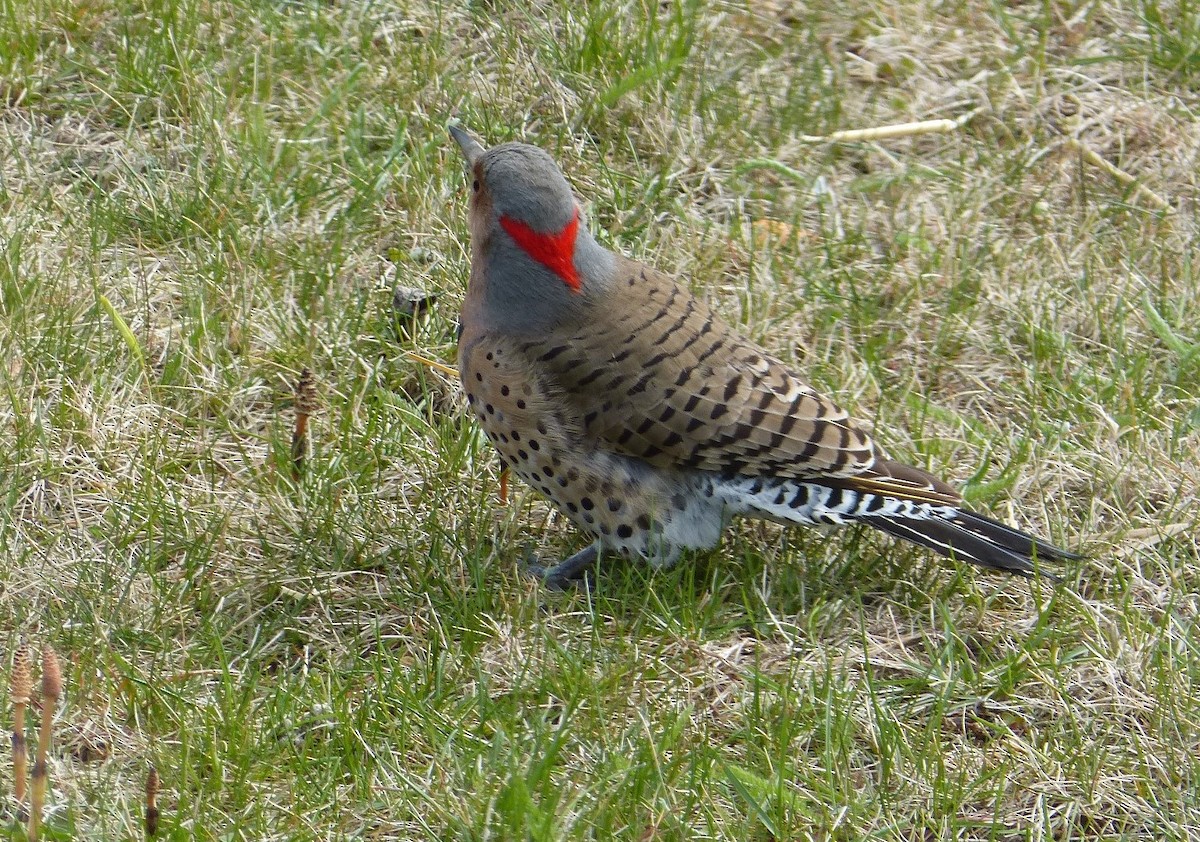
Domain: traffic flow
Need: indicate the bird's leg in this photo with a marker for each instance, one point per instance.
(569, 573)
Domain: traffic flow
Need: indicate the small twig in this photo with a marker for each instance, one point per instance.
(434, 364)
(306, 404)
(855, 136)
(21, 689)
(1139, 189)
(152, 802)
(451, 372)
(504, 485)
(51, 691)
(888, 132)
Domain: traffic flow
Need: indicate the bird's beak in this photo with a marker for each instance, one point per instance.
(470, 146)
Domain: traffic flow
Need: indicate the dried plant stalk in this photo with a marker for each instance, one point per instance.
(1139, 189)
(152, 802)
(20, 689)
(449, 371)
(889, 132)
(306, 405)
(51, 692)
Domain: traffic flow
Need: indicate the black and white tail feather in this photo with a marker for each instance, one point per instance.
(969, 536)
(915, 507)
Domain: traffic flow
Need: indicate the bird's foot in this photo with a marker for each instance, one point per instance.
(571, 573)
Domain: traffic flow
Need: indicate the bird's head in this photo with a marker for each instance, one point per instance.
(529, 246)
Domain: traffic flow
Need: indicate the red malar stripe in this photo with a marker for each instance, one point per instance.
(554, 251)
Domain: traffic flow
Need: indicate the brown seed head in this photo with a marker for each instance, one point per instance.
(22, 676)
(51, 674)
(307, 402)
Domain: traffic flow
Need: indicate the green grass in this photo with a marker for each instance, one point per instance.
(199, 199)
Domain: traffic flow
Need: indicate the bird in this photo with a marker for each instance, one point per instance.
(651, 423)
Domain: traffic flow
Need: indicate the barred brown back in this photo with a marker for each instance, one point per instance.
(659, 376)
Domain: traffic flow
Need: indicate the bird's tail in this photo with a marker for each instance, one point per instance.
(901, 501)
(968, 536)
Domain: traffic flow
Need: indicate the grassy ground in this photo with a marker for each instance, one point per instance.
(198, 198)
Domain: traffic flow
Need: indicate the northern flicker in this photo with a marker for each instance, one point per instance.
(646, 419)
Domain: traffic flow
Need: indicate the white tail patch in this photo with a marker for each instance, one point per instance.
(810, 503)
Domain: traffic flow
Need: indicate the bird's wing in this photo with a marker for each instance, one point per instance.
(657, 375)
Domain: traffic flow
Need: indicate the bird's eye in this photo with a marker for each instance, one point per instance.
(475, 186)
